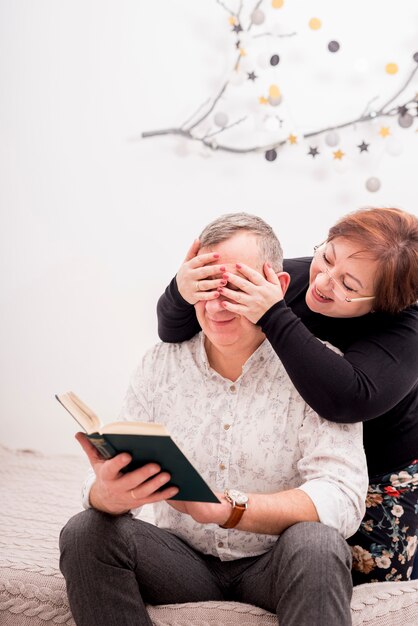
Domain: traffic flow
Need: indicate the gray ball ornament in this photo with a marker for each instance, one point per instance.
(332, 139)
(271, 155)
(373, 184)
(274, 101)
(220, 119)
(405, 121)
(257, 17)
(333, 46)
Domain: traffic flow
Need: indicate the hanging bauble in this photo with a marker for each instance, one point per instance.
(271, 155)
(257, 17)
(315, 23)
(274, 60)
(274, 102)
(220, 119)
(415, 57)
(332, 139)
(373, 184)
(391, 68)
(405, 121)
(274, 97)
(333, 46)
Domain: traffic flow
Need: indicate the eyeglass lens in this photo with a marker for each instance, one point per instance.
(336, 286)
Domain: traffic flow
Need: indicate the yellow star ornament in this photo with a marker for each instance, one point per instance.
(339, 154)
(384, 131)
(292, 139)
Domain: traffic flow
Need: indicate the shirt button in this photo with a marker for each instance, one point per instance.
(232, 389)
(220, 544)
(222, 466)
(227, 426)
(261, 358)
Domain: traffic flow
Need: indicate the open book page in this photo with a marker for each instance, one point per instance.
(82, 414)
(134, 428)
(89, 421)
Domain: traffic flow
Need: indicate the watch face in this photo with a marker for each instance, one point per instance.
(237, 496)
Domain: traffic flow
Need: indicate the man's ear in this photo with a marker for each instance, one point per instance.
(284, 279)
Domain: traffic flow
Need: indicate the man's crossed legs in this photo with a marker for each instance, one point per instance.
(113, 565)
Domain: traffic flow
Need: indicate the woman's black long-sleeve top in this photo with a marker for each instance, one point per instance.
(377, 378)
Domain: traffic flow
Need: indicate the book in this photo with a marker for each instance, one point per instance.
(146, 442)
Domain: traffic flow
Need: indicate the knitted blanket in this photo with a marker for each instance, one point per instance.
(39, 493)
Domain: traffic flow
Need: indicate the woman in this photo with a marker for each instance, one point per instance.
(359, 292)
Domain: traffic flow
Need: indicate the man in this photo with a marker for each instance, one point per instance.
(298, 482)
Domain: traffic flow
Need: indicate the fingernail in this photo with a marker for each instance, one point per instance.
(222, 268)
(225, 276)
(268, 265)
(216, 256)
(223, 283)
(237, 265)
(220, 290)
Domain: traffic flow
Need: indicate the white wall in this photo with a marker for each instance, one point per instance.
(94, 224)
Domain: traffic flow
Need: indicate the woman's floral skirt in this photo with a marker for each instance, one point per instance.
(385, 545)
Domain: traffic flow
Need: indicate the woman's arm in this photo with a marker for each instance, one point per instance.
(176, 317)
(374, 374)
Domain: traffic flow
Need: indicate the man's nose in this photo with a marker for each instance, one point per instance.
(215, 305)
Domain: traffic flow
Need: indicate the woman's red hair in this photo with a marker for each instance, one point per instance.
(391, 237)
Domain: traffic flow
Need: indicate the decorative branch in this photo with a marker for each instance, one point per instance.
(195, 113)
(223, 5)
(220, 130)
(277, 36)
(364, 117)
(185, 130)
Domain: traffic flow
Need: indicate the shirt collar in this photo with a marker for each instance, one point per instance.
(263, 353)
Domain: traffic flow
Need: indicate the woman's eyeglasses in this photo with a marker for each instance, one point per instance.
(340, 291)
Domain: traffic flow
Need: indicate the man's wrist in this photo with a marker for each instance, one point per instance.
(87, 486)
(238, 504)
(223, 512)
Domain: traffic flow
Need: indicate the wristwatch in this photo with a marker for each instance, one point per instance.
(239, 502)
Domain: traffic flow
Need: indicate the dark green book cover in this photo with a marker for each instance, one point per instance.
(144, 448)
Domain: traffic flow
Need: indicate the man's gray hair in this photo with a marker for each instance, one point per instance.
(226, 226)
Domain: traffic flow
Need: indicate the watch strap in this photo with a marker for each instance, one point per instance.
(235, 517)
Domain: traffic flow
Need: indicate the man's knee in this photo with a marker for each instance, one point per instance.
(313, 542)
(89, 531)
